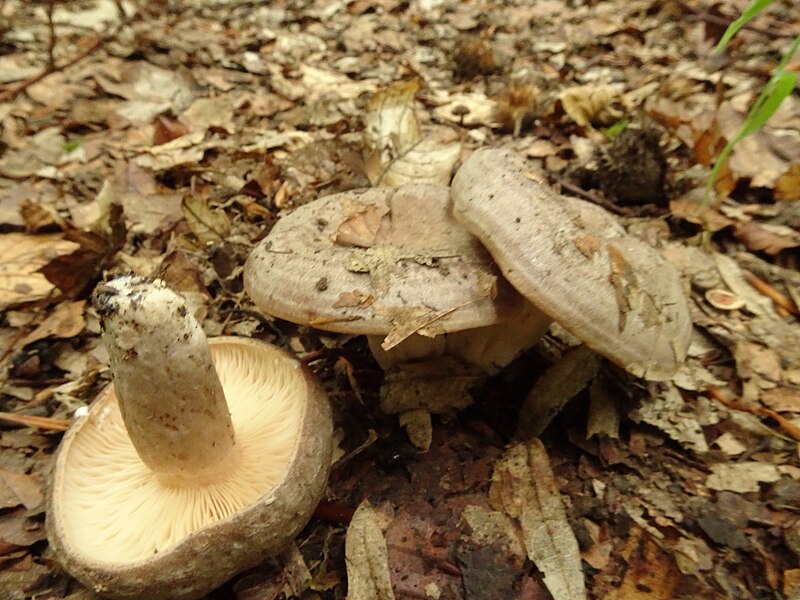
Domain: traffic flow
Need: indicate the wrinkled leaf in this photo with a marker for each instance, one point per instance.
(20, 489)
(367, 557)
(64, 322)
(523, 486)
(559, 384)
(22, 256)
(208, 224)
(742, 477)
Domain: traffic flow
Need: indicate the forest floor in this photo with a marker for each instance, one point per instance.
(168, 138)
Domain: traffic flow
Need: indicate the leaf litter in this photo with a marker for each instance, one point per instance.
(171, 141)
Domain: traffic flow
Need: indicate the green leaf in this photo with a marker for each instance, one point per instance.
(756, 7)
(616, 128)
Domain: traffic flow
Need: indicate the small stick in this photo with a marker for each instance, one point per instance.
(47, 423)
(770, 292)
(785, 424)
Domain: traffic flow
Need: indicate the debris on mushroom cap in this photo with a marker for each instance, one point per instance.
(381, 261)
(147, 529)
(576, 263)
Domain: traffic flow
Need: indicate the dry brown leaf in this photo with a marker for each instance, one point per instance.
(367, 557)
(354, 298)
(23, 255)
(20, 489)
(769, 238)
(666, 409)
(419, 428)
(788, 186)
(360, 229)
(435, 385)
(622, 278)
(64, 322)
(398, 152)
(523, 486)
(604, 415)
(594, 103)
(782, 399)
(560, 383)
(208, 224)
(742, 477)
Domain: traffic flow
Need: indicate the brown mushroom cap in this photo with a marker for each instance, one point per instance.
(127, 530)
(378, 261)
(575, 263)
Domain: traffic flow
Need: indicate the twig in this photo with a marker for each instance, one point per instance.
(770, 292)
(10, 94)
(51, 42)
(47, 423)
(593, 198)
(785, 424)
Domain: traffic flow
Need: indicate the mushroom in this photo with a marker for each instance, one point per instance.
(576, 263)
(393, 264)
(203, 457)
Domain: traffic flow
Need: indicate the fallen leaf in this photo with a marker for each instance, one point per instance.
(742, 477)
(23, 255)
(436, 385)
(604, 414)
(559, 384)
(765, 237)
(209, 225)
(419, 429)
(398, 152)
(665, 409)
(523, 486)
(361, 228)
(65, 321)
(76, 273)
(367, 557)
(20, 489)
(592, 104)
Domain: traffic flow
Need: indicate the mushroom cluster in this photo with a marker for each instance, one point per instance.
(392, 263)
(409, 267)
(203, 457)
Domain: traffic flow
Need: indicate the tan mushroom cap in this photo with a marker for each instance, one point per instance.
(576, 263)
(128, 531)
(377, 261)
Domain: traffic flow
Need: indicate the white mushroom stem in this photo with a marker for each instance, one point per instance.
(169, 394)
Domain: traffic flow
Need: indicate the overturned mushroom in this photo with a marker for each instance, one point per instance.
(392, 263)
(576, 263)
(199, 461)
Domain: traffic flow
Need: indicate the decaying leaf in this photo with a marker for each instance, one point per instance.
(76, 273)
(208, 224)
(592, 104)
(523, 486)
(65, 321)
(419, 428)
(361, 228)
(23, 255)
(399, 151)
(604, 414)
(560, 383)
(367, 556)
(742, 477)
(666, 409)
(20, 489)
(435, 385)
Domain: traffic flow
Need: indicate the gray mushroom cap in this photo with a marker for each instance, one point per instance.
(576, 263)
(381, 261)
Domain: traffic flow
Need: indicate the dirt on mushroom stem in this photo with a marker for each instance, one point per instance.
(161, 364)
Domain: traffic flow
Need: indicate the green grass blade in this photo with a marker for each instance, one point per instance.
(749, 13)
